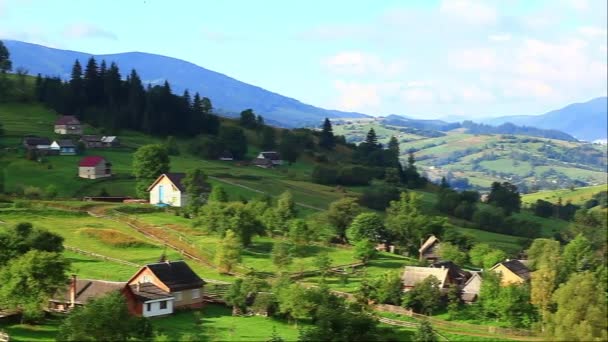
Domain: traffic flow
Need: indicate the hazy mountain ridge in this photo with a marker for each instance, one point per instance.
(586, 121)
(227, 94)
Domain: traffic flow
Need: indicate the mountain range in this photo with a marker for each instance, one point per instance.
(228, 95)
(585, 121)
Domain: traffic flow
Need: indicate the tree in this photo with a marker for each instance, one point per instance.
(5, 59)
(327, 139)
(281, 255)
(197, 188)
(28, 281)
(388, 289)
(228, 253)
(237, 297)
(424, 297)
(149, 162)
(505, 196)
(248, 119)
(542, 285)
(299, 232)
(478, 252)
(290, 147)
(371, 139)
(268, 138)
(341, 214)
(285, 209)
(364, 250)
(543, 252)
(323, 263)
(22, 238)
(393, 146)
(367, 226)
(218, 194)
(449, 252)
(425, 332)
(581, 310)
(577, 256)
(104, 319)
(233, 138)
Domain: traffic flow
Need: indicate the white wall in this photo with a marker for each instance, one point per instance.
(155, 309)
(171, 195)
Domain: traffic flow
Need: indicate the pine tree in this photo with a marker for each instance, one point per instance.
(371, 139)
(92, 83)
(228, 253)
(327, 139)
(268, 138)
(5, 59)
(77, 90)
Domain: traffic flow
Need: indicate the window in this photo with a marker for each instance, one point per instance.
(163, 305)
(196, 293)
(145, 279)
(148, 306)
(178, 296)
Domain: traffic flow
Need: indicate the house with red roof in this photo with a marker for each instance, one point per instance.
(93, 167)
(68, 124)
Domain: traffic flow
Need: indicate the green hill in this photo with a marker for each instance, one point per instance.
(531, 163)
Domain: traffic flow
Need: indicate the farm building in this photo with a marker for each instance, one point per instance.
(110, 141)
(81, 291)
(68, 124)
(226, 156)
(512, 272)
(428, 250)
(159, 289)
(274, 157)
(63, 147)
(470, 290)
(412, 275)
(168, 189)
(91, 141)
(41, 144)
(93, 167)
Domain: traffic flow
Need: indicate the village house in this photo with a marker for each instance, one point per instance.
(63, 147)
(37, 143)
(110, 141)
(93, 167)
(161, 288)
(81, 291)
(413, 275)
(456, 275)
(168, 190)
(429, 249)
(512, 272)
(470, 290)
(68, 124)
(91, 141)
(268, 159)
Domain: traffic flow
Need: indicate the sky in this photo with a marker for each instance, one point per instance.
(426, 58)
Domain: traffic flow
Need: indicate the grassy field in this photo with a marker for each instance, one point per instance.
(576, 196)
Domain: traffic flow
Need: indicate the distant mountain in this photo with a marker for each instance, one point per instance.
(585, 121)
(227, 94)
(403, 121)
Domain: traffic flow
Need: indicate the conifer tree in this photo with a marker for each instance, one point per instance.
(5, 59)
(327, 139)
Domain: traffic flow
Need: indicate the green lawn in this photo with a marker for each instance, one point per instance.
(31, 333)
(577, 196)
(508, 243)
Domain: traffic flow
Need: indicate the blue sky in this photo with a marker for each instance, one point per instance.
(421, 58)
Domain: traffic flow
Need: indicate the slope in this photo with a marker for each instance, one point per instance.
(228, 94)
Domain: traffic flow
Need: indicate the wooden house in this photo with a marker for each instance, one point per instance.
(412, 275)
(81, 291)
(168, 189)
(93, 167)
(274, 157)
(429, 249)
(470, 290)
(110, 141)
(41, 144)
(63, 147)
(68, 124)
(456, 275)
(161, 288)
(512, 272)
(91, 141)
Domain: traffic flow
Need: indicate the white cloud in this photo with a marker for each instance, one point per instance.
(355, 96)
(473, 59)
(357, 63)
(86, 30)
(418, 96)
(593, 32)
(469, 11)
(474, 94)
(500, 37)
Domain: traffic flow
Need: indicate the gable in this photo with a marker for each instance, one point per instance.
(164, 179)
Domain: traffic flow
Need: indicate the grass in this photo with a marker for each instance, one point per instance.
(508, 243)
(577, 196)
(113, 237)
(31, 333)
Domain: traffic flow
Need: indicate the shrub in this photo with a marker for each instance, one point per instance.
(32, 192)
(113, 237)
(379, 197)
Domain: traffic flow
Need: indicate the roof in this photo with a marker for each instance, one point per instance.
(412, 275)
(176, 275)
(271, 155)
(516, 267)
(473, 285)
(67, 120)
(91, 138)
(468, 297)
(32, 141)
(149, 291)
(88, 289)
(175, 178)
(65, 143)
(91, 161)
(109, 139)
(428, 243)
(454, 271)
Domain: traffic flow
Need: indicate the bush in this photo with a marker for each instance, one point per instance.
(325, 175)
(379, 197)
(126, 209)
(32, 192)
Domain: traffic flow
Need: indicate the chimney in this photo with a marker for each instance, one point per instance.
(73, 291)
